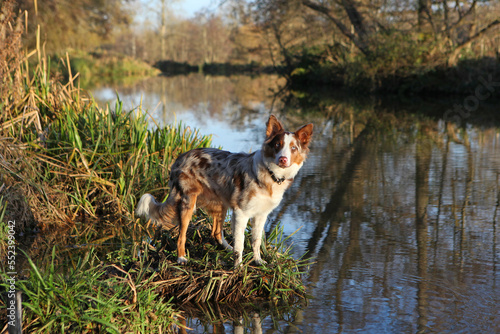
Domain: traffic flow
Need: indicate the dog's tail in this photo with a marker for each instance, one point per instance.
(160, 213)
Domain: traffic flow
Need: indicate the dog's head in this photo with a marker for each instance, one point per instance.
(286, 149)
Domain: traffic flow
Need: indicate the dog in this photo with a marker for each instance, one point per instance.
(252, 185)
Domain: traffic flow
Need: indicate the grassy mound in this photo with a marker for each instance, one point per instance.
(209, 275)
(139, 288)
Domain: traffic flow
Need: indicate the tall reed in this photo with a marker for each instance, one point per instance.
(72, 159)
(106, 159)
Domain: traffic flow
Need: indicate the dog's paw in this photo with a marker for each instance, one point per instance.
(182, 260)
(259, 262)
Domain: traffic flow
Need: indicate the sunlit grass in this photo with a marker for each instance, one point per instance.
(210, 276)
(110, 158)
(91, 296)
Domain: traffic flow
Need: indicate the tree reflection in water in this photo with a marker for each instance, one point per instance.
(399, 209)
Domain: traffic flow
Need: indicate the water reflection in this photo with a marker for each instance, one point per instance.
(230, 108)
(399, 210)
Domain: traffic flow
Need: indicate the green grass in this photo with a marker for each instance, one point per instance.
(136, 288)
(91, 296)
(110, 157)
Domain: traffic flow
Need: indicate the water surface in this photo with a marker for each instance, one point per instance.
(398, 207)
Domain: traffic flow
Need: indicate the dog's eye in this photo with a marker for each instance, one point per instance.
(294, 148)
(277, 145)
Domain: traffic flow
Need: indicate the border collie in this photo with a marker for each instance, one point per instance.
(252, 185)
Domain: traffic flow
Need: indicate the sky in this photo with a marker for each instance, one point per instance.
(149, 10)
(189, 7)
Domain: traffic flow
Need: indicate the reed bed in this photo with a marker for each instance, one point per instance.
(74, 160)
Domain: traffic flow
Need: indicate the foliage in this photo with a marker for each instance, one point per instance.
(90, 296)
(395, 46)
(77, 24)
(376, 46)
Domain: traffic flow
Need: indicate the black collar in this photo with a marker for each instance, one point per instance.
(275, 179)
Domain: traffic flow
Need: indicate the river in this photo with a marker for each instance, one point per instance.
(398, 207)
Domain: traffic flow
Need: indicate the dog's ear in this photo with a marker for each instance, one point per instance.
(304, 134)
(273, 127)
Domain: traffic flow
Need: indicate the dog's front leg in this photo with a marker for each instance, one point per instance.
(239, 224)
(257, 229)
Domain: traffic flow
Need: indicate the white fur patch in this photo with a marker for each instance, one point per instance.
(286, 150)
(144, 205)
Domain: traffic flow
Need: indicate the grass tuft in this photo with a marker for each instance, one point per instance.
(209, 275)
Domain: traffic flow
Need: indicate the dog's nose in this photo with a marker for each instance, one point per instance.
(283, 160)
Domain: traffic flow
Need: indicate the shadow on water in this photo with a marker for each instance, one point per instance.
(398, 206)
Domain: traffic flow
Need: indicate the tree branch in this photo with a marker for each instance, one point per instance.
(461, 15)
(357, 40)
(453, 57)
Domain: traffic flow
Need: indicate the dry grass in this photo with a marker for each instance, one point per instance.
(11, 29)
(210, 276)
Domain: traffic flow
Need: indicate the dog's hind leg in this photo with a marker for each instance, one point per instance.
(186, 207)
(218, 213)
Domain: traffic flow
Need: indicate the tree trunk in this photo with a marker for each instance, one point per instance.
(452, 60)
(163, 31)
(360, 35)
(422, 11)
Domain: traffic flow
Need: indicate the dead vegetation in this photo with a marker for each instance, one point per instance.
(210, 276)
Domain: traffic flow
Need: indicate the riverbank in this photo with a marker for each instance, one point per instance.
(420, 80)
(168, 67)
(99, 68)
(308, 73)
